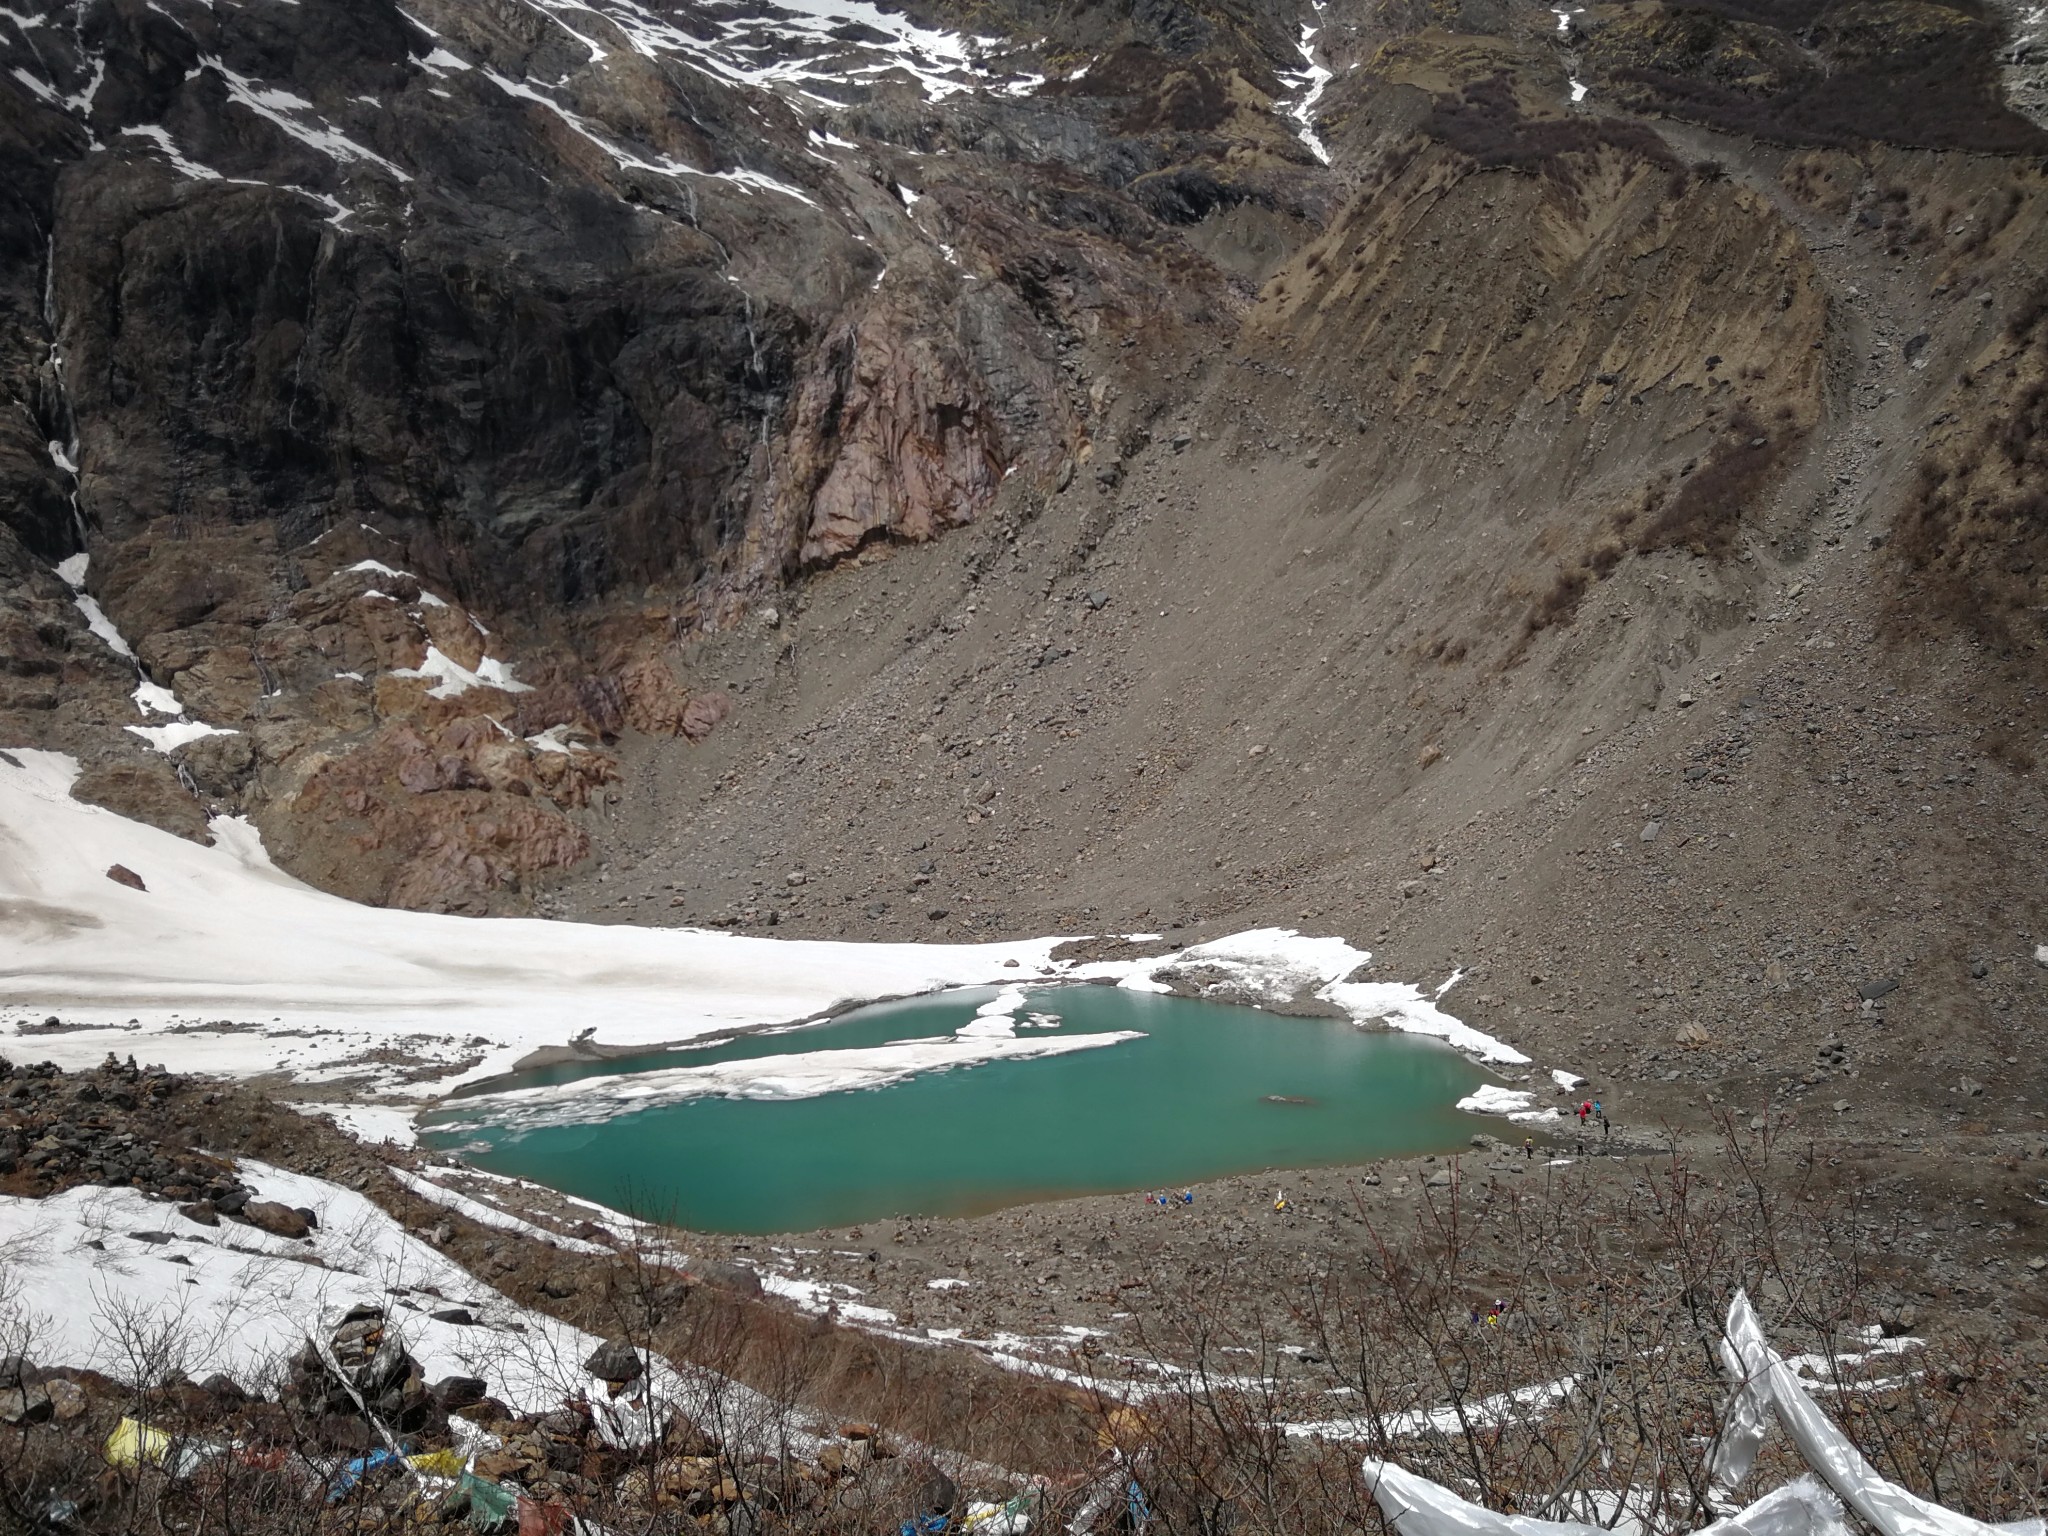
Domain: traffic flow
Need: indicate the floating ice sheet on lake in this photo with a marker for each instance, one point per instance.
(1515, 1103)
(799, 1075)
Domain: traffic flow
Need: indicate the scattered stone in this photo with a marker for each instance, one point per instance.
(202, 1212)
(1871, 991)
(461, 1317)
(1650, 831)
(1971, 1088)
(121, 874)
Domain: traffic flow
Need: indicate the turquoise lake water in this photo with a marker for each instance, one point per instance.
(1210, 1090)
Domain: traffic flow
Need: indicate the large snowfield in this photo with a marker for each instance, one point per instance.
(226, 964)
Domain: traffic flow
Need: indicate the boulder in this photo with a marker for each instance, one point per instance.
(726, 1273)
(937, 1495)
(121, 874)
(145, 790)
(458, 1391)
(18, 1371)
(615, 1361)
(25, 1404)
(280, 1220)
(67, 1400)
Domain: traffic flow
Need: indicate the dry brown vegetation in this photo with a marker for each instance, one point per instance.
(1916, 76)
(1974, 532)
(1705, 512)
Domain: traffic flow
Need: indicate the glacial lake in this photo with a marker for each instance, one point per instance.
(1206, 1090)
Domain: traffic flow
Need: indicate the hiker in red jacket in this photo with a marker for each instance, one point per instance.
(1585, 1109)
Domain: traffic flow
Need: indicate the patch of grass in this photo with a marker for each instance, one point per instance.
(1708, 506)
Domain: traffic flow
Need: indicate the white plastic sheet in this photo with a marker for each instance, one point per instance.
(1765, 1384)
(1414, 1506)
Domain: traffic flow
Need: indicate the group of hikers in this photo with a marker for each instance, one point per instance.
(1168, 1197)
(1588, 1110)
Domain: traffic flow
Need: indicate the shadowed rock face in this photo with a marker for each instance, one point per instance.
(592, 324)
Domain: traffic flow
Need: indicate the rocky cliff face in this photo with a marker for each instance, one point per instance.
(425, 384)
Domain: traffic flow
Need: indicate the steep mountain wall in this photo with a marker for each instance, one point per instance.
(515, 427)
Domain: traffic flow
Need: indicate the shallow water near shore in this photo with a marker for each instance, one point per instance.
(1208, 1090)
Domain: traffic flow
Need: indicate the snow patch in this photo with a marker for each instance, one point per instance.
(288, 112)
(155, 699)
(168, 738)
(1276, 965)
(1313, 79)
(1497, 1411)
(97, 621)
(369, 1122)
(489, 1215)
(84, 1292)
(451, 678)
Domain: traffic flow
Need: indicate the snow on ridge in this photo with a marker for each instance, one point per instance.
(750, 181)
(1313, 79)
(284, 110)
(160, 136)
(192, 170)
(776, 45)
